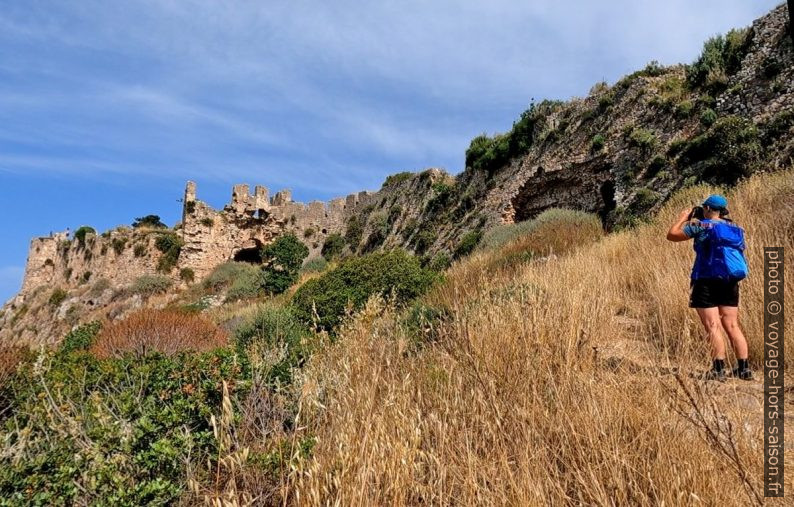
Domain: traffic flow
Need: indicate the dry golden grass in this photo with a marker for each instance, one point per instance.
(164, 331)
(517, 402)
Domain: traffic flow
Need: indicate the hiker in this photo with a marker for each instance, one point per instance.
(719, 266)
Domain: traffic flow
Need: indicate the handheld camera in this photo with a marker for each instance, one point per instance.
(697, 213)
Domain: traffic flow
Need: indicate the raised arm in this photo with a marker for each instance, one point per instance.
(676, 232)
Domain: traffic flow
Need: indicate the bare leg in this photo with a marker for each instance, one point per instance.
(729, 315)
(710, 318)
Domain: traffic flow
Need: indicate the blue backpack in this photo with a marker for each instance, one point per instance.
(721, 254)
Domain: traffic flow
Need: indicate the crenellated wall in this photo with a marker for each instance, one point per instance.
(211, 237)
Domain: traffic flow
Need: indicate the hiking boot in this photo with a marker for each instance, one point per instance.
(745, 374)
(713, 374)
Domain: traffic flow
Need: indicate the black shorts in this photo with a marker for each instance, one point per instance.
(708, 293)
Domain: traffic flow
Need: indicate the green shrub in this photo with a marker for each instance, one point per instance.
(442, 196)
(283, 259)
(467, 244)
(646, 198)
(656, 164)
(355, 280)
(249, 284)
(501, 235)
(148, 285)
(721, 57)
(422, 322)
(224, 275)
(207, 222)
(81, 233)
(423, 240)
(171, 246)
(99, 287)
(308, 232)
(274, 328)
(119, 244)
(597, 144)
(491, 153)
(642, 138)
(684, 109)
(729, 150)
(395, 179)
(143, 423)
(441, 262)
(57, 297)
(79, 339)
(778, 126)
(190, 207)
(315, 265)
(187, 275)
(139, 250)
(355, 230)
(708, 117)
(333, 246)
(150, 221)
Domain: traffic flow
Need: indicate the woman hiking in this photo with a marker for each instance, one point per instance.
(719, 266)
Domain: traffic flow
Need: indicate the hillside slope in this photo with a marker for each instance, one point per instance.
(621, 153)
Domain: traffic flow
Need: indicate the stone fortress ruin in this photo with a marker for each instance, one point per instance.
(211, 237)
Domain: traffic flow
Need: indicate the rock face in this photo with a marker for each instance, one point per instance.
(620, 152)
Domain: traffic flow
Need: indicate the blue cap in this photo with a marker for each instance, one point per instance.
(716, 201)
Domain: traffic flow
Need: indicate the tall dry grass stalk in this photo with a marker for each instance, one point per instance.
(516, 403)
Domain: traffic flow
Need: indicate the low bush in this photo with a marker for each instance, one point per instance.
(224, 275)
(721, 57)
(158, 331)
(283, 259)
(467, 244)
(187, 275)
(597, 143)
(491, 153)
(149, 285)
(642, 138)
(116, 431)
(276, 329)
(315, 265)
(249, 284)
(119, 244)
(171, 246)
(10, 359)
(333, 246)
(354, 232)
(708, 117)
(57, 297)
(139, 250)
(99, 287)
(554, 231)
(351, 283)
(729, 150)
(395, 179)
(149, 221)
(81, 233)
(440, 262)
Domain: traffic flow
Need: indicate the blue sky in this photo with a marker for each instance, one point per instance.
(107, 107)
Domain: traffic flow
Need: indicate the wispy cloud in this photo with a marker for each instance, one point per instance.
(167, 85)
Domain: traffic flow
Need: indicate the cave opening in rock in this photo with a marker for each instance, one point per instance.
(608, 201)
(251, 254)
